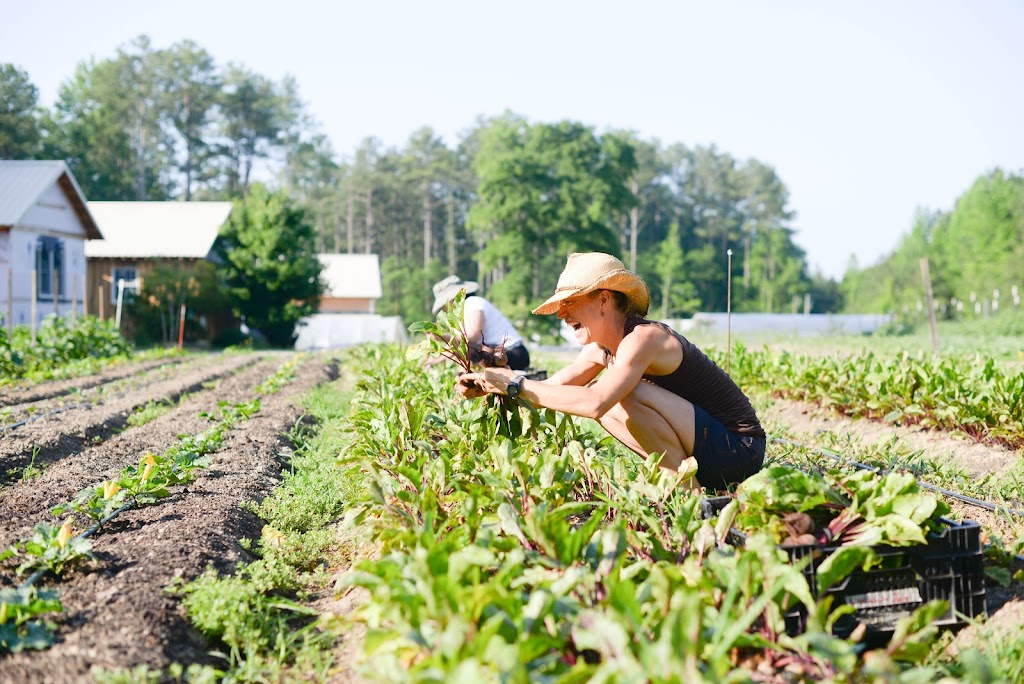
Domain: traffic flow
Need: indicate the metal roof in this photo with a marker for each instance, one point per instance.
(351, 275)
(184, 230)
(22, 181)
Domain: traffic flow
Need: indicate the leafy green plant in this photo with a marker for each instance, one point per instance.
(21, 627)
(145, 414)
(51, 548)
(563, 558)
(446, 337)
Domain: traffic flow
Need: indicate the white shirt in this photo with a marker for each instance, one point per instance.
(496, 326)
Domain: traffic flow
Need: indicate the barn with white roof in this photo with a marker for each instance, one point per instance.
(140, 236)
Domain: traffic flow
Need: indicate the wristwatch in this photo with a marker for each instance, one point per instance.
(515, 385)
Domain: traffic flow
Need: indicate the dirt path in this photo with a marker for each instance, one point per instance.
(117, 614)
(942, 447)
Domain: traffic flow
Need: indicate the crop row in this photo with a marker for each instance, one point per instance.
(972, 395)
(55, 547)
(563, 558)
(59, 348)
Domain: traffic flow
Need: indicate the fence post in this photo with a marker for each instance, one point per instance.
(930, 303)
(10, 301)
(120, 294)
(32, 308)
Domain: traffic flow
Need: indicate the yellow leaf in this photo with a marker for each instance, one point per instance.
(110, 488)
(272, 536)
(64, 535)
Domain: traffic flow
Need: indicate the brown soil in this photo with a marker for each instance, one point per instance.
(27, 393)
(116, 612)
(61, 430)
(960, 450)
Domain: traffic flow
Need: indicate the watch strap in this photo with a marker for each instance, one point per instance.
(517, 384)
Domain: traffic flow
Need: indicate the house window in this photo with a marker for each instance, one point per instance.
(130, 275)
(49, 265)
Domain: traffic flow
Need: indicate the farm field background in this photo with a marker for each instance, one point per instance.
(327, 534)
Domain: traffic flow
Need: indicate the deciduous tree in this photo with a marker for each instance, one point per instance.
(268, 260)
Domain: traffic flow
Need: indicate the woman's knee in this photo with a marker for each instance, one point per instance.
(616, 415)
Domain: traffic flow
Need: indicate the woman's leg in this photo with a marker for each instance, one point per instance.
(653, 420)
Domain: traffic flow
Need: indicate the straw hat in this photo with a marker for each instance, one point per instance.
(445, 290)
(588, 271)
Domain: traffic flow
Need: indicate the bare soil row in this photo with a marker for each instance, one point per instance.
(52, 438)
(117, 613)
(10, 396)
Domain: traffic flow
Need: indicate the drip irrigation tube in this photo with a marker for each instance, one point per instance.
(938, 490)
(41, 416)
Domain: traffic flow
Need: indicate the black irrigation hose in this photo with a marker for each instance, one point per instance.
(43, 415)
(939, 490)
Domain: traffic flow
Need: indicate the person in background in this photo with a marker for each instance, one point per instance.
(646, 384)
(490, 334)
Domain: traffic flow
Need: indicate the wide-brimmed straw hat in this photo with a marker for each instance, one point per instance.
(445, 290)
(588, 271)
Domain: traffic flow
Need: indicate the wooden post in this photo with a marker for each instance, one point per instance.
(10, 302)
(929, 302)
(120, 298)
(99, 299)
(728, 311)
(181, 328)
(32, 308)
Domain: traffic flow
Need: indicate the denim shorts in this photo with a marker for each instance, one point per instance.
(724, 458)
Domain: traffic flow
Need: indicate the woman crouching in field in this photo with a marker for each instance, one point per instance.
(647, 385)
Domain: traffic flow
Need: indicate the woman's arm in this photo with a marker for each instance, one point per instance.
(637, 352)
(587, 365)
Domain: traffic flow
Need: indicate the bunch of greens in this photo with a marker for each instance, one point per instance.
(446, 337)
(850, 512)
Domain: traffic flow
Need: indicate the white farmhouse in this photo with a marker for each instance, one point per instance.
(352, 286)
(44, 223)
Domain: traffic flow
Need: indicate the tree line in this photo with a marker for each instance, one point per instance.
(503, 205)
(975, 255)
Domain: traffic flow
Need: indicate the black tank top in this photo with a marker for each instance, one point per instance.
(702, 383)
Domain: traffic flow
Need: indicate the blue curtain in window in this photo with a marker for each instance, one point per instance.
(49, 260)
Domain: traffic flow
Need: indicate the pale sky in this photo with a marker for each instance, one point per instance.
(866, 110)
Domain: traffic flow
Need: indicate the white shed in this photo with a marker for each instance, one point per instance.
(44, 223)
(352, 283)
(352, 286)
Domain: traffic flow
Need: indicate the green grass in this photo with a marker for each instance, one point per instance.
(256, 613)
(150, 412)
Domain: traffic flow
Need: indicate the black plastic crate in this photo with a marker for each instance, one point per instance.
(949, 566)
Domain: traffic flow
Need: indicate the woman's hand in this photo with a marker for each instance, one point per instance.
(486, 381)
(467, 387)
